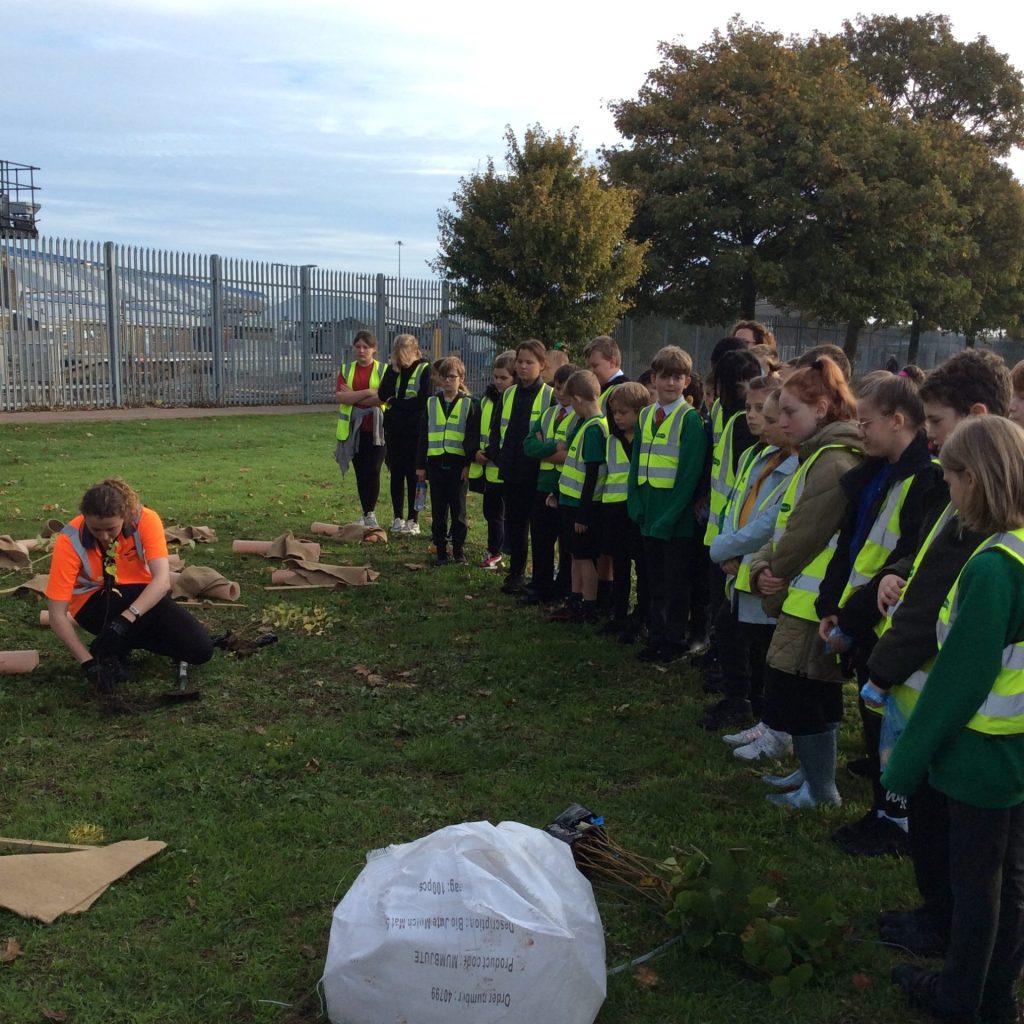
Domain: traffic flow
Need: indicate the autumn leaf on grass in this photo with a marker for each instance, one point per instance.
(9, 950)
(360, 670)
(483, 693)
(861, 981)
(313, 765)
(308, 952)
(55, 1015)
(373, 679)
(414, 566)
(443, 602)
(645, 977)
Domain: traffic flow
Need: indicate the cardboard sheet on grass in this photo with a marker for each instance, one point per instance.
(14, 554)
(200, 582)
(301, 573)
(355, 533)
(34, 587)
(45, 885)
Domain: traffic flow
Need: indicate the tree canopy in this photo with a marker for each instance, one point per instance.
(541, 249)
(850, 177)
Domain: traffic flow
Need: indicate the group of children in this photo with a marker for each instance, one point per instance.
(824, 541)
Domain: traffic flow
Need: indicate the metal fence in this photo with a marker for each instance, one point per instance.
(94, 324)
(87, 324)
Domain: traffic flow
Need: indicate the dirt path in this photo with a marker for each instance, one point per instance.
(156, 413)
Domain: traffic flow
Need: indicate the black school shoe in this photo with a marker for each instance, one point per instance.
(727, 713)
(514, 584)
(921, 989)
(859, 768)
(872, 836)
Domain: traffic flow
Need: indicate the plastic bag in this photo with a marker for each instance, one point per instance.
(893, 724)
(473, 922)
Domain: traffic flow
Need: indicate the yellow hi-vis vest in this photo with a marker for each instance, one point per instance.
(345, 411)
(717, 422)
(1002, 712)
(616, 480)
(552, 430)
(447, 433)
(412, 382)
(722, 478)
(751, 463)
(660, 447)
(542, 400)
(574, 469)
(906, 693)
(490, 471)
(804, 586)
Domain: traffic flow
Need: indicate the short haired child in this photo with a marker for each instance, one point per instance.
(1017, 401)
(664, 472)
(449, 436)
(622, 542)
(579, 491)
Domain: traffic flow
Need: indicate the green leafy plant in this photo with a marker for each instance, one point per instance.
(720, 907)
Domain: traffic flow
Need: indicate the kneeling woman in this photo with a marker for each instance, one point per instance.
(110, 575)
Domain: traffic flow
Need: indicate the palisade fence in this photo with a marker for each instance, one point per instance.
(87, 324)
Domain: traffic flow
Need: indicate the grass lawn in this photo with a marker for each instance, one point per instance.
(271, 789)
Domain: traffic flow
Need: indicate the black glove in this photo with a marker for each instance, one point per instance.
(98, 675)
(112, 641)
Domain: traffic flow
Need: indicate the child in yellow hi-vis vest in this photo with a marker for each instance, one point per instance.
(966, 734)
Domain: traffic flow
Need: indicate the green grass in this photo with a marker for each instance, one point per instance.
(270, 790)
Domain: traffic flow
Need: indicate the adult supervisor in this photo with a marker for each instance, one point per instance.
(110, 575)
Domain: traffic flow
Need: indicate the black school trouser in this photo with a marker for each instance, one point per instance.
(447, 502)
(494, 514)
(928, 825)
(624, 545)
(518, 504)
(367, 463)
(986, 951)
(165, 629)
(742, 649)
(401, 460)
(545, 529)
(668, 572)
(871, 726)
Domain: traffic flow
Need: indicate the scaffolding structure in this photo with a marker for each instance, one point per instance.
(18, 206)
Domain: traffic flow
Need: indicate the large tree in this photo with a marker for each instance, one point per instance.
(540, 249)
(735, 148)
(923, 70)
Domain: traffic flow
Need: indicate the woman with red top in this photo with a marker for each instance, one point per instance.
(110, 575)
(360, 431)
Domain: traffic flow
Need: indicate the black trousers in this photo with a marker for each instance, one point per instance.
(165, 629)
(494, 514)
(367, 463)
(545, 529)
(701, 613)
(668, 570)
(742, 649)
(401, 459)
(928, 824)
(986, 952)
(800, 706)
(518, 504)
(624, 545)
(447, 502)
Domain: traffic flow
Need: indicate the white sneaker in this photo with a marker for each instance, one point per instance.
(370, 519)
(741, 739)
(412, 528)
(398, 526)
(770, 744)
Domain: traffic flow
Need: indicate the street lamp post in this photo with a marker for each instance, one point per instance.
(399, 243)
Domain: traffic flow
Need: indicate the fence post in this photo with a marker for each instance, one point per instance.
(306, 333)
(113, 321)
(217, 327)
(382, 306)
(446, 327)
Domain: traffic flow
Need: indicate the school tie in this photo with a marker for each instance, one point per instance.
(560, 416)
(659, 417)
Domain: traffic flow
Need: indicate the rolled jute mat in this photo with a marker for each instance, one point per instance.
(195, 534)
(299, 573)
(14, 662)
(353, 532)
(285, 546)
(200, 582)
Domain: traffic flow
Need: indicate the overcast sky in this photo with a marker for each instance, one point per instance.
(323, 131)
